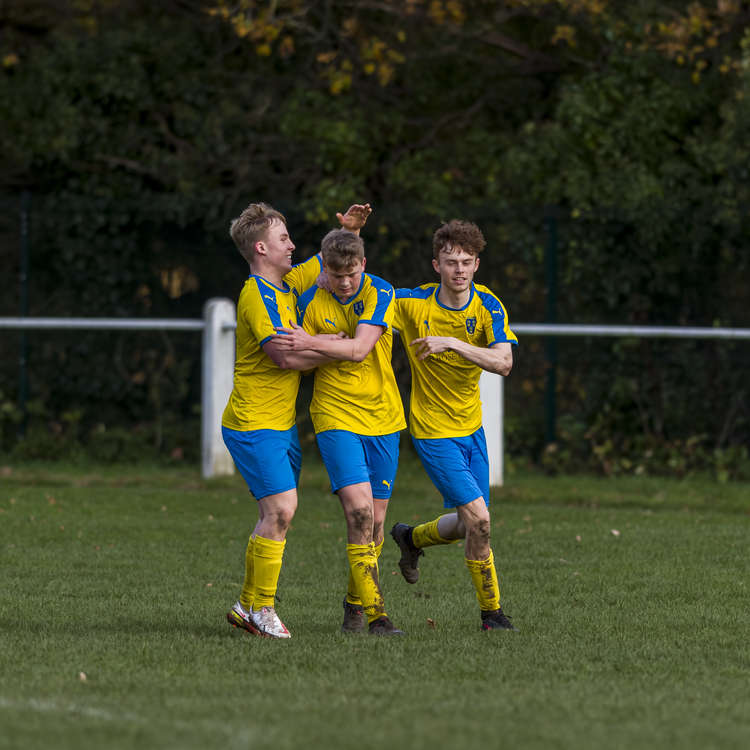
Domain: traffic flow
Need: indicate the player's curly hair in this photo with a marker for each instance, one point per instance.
(341, 249)
(457, 233)
(251, 226)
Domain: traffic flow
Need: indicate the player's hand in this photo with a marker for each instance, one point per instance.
(294, 338)
(322, 281)
(355, 217)
(432, 345)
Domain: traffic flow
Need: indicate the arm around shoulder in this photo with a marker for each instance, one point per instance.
(288, 359)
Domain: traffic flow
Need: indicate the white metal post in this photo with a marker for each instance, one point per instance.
(491, 393)
(218, 371)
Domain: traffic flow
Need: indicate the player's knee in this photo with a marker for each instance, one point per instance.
(283, 518)
(361, 518)
(479, 531)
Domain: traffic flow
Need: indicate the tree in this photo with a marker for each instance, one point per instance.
(142, 129)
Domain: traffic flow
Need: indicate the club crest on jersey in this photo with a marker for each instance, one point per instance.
(471, 324)
(359, 307)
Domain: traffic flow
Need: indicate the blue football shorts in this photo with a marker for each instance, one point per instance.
(458, 467)
(350, 459)
(269, 460)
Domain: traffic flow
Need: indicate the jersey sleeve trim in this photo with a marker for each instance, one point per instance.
(304, 300)
(384, 293)
(269, 302)
(420, 292)
(500, 326)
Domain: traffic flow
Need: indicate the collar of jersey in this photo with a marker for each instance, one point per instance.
(354, 296)
(268, 283)
(453, 309)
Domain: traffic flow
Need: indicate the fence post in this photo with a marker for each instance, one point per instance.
(491, 394)
(218, 371)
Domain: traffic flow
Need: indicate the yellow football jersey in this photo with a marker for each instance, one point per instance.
(445, 387)
(264, 395)
(361, 397)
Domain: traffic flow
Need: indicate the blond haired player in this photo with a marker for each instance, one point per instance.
(452, 330)
(258, 425)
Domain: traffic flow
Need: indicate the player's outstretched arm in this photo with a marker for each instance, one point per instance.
(355, 217)
(497, 358)
(354, 350)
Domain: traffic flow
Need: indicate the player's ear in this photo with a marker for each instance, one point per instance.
(259, 248)
(364, 261)
(436, 265)
(476, 262)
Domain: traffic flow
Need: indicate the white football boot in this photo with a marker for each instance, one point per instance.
(268, 623)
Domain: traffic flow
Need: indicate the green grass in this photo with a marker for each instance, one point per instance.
(126, 574)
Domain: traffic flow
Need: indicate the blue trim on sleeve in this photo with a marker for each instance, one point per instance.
(269, 301)
(384, 291)
(304, 300)
(495, 309)
(419, 292)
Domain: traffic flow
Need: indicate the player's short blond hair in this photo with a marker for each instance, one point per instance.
(341, 249)
(251, 227)
(456, 233)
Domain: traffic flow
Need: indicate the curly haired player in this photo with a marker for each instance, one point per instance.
(452, 330)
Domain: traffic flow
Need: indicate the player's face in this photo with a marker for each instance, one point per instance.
(345, 282)
(278, 246)
(456, 268)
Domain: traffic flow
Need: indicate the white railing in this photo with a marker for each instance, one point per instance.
(217, 366)
(641, 332)
(218, 351)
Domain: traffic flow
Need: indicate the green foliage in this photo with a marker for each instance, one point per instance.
(10, 419)
(627, 407)
(141, 129)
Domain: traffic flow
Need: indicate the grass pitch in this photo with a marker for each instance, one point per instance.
(630, 595)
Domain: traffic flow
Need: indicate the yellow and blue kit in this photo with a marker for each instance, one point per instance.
(356, 407)
(264, 395)
(258, 425)
(445, 387)
(360, 397)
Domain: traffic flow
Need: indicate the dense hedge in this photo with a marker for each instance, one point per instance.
(139, 132)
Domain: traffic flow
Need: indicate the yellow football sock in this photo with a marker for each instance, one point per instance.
(248, 585)
(351, 591)
(426, 535)
(484, 578)
(267, 557)
(363, 564)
